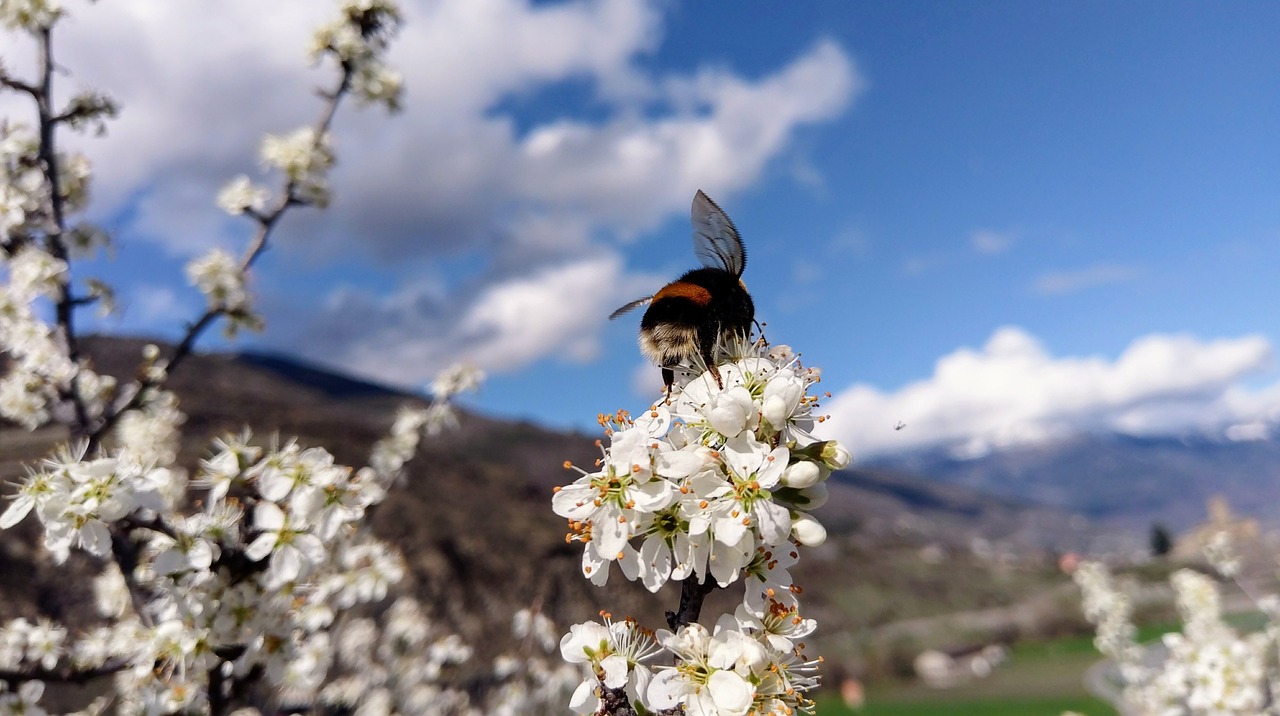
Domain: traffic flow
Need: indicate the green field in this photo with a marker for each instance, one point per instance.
(1047, 706)
(1042, 678)
(1038, 679)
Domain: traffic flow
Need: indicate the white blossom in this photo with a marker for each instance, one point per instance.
(615, 653)
(291, 548)
(305, 157)
(241, 194)
(219, 277)
(29, 15)
(34, 272)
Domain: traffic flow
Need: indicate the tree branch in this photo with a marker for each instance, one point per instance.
(8, 80)
(615, 701)
(266, 223)
(64, 674)
(54, 244)
(692, 594)
(125, 552)
(144, 383)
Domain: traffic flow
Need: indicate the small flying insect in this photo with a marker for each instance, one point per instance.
(687, 317)
(900, 425)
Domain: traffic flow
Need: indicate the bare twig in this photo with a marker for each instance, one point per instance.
(8, 80)
(266, 221)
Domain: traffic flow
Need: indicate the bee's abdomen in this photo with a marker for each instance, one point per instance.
(669, 328)
(668, 343)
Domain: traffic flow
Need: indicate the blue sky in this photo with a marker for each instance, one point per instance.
(994, 221)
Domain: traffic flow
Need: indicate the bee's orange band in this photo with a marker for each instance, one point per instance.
(684, 289)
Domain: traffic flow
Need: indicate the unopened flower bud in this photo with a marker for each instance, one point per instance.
(808, 531)
(802, 474)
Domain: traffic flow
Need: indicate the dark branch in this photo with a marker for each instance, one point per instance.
(125, 552)
(692, 594)
(64, 674)
(54, 244)
(615, 701)
(18, 85)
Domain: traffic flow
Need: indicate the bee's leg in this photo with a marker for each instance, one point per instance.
(669, 379)
(715, 373)
(708, 341)
(710, 361)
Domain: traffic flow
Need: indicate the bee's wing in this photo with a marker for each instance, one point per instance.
(634, 304)
(715, 239)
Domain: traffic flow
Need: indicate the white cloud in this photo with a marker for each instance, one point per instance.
(1059, 282)
(457, 173)
(990, 242)
(199, 88)
(1013, 391)
(406, 338)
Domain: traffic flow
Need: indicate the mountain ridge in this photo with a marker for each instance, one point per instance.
(1122, 479)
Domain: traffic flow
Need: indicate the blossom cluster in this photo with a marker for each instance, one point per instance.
(726, 472)
(712, 485)
(1206, 669)
(223, 591)
(395, 666)
(39, 369)
(359, 39)
(40, 372)
(305, 157)
(252, 582)
(401, 663)
(21, 180)
(26, 206)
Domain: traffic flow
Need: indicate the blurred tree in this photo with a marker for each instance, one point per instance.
(1161, 540)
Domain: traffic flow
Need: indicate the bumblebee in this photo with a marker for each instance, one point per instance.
(687, 317)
